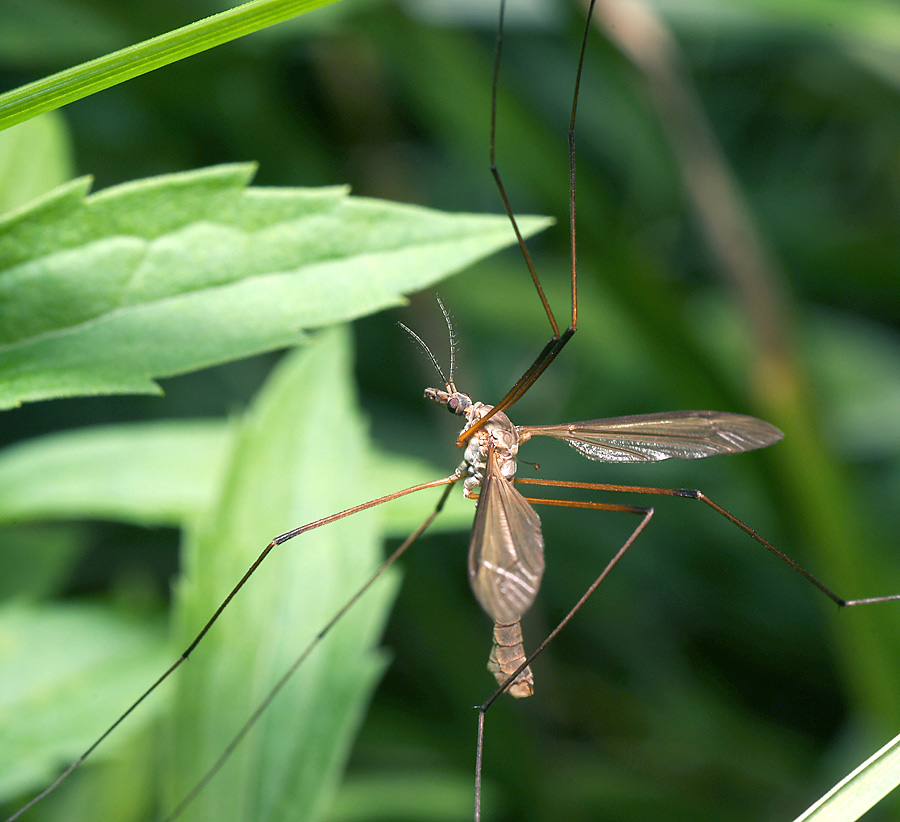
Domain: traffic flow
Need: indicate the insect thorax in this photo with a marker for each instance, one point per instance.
(497, 433)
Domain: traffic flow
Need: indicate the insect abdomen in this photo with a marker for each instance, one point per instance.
(507, 655)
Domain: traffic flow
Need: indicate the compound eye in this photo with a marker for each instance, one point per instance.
(458, 403)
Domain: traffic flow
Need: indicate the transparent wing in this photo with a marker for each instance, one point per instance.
(685, 435)
(506, 554)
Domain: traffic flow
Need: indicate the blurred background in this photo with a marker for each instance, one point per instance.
(738, 238)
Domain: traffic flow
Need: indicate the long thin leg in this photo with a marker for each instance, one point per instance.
(558, 340)
(686, 493)
(646, 514)
(693, 493)
(281, 538)
(261, 708)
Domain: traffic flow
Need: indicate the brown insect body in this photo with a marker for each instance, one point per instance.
(506, 552)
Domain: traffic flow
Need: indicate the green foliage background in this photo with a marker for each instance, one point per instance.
(705, 681)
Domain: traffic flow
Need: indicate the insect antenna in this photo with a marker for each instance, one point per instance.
(424, 346)
(452, 335)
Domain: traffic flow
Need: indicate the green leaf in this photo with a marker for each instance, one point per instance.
(147, 473)
(861, 789)
(75, 668)
(104, 293)
(237, 484)
(287, 469)
(166, 473)
(34, 158)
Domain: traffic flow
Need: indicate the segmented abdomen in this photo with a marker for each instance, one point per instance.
(507, 655)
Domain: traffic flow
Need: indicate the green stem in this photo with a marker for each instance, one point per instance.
(80, 81)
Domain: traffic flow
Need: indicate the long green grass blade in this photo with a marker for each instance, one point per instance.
(859, 790)
(80, 81)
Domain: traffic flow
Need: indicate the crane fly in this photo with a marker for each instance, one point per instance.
(506, 557)
(506, 553)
